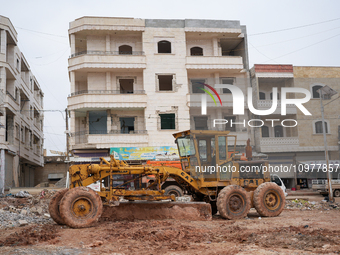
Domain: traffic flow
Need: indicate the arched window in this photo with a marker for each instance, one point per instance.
(318, 127)
(262, 96)
(315, 93)
(278, 131)
(196, 51)
(271, 96)
(265, 131)
(125, 50)
(164, 47)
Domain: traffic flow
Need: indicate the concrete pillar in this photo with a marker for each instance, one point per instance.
(108, 125)
(2, 171)
(108, 81)
(216, 78)
(215, 46)
(3, 42)
(73, 81)
(16, 170)
(108, 43)
(73, 44)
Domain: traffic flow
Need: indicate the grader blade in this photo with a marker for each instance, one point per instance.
(145, 210)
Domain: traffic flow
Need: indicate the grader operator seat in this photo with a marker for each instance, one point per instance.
(199, 150)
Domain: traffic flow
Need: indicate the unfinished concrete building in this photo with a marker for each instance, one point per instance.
(21, 132)
(134, 82)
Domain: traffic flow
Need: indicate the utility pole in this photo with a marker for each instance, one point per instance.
(67, 138)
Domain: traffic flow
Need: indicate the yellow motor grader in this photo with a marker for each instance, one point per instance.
(211, 173)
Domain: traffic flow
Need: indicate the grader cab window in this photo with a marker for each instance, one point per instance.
(185, 146)
(202, 147)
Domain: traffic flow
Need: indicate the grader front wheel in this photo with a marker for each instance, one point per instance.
(233, 202)
(269, 199)
(81, 207)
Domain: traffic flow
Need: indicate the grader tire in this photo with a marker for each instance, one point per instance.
(233, 202)
(53, 207)
(269, 199)
(337, 193)
(173, 190)
(81, 207)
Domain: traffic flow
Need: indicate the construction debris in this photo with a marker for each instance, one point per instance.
(307, 205)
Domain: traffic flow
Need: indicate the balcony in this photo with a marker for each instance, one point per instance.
(279, 144)
(107, 99)
(109, 139)
(107, 59)
(214, 62)
(267, 104)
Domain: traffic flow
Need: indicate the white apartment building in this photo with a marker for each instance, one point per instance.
(21, 130)
(135, 82)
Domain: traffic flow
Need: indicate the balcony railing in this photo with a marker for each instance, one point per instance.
(96, 52)
(10, 95)
(278, 141)
(105, 132)
(105, 92)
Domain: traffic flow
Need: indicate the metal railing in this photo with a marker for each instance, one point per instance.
(114, 92)
(106, 132)
(109, 53)
(10, 95)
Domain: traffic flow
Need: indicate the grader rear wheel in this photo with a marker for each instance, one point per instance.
(81, 207)
(53, 207)
(233, 202)
(269, 199)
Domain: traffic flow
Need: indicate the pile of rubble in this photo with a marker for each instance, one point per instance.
(22, 209)
(304, 205)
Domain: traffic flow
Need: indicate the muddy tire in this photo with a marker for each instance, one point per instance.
(269, 199)
(173, 190)
(53, 207)
(81, 207)
(233, 202)
(337, 193)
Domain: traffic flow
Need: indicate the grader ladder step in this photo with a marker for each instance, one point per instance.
(157, 210)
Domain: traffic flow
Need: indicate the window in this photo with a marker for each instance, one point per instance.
(222, 147)
(230, 119)
(125, 50)
(127, 125)
(202, 148)
(18, 64)
(167, 121)
(165, 82)
(196, 51)
(318, 127)
(229, 81)
(262, 96)
(197, 86)
(265, 131)
(17, 131)
(201, 123)
(164, 47)
(126, 86)
(278, 131)
(315, 93)
(271, 96)
(98, 122)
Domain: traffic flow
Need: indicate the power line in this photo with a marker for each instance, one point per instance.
(291, 28)
(41, 32)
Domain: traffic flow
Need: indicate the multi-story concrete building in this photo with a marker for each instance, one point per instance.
(21, 132)
(134, 82)
(296, 145)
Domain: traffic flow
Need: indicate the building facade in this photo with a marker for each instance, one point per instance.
(135, 82)
(303, 143)
(21, 132)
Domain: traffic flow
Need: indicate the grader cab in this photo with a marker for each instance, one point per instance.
(211, 173)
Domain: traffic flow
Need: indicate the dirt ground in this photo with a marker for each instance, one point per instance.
(295, 231)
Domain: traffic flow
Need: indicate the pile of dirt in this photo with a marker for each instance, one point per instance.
(157, 211)
(307, 205)
(31, 235)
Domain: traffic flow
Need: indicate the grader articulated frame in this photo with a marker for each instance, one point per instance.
(230, 191)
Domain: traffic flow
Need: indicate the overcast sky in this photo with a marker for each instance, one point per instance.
(42, 28)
